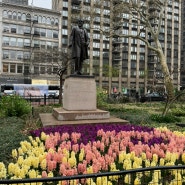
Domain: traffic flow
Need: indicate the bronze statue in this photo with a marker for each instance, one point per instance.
(79, 42)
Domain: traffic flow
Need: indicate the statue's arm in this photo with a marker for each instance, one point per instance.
(87, 38)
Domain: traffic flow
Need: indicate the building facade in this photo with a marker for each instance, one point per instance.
(25, 29)
(134, 68)
(20, 2)
(183, 47)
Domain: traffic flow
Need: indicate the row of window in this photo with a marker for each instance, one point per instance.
(28, 17)
(23, 68)
(26, 30)
(20, 42)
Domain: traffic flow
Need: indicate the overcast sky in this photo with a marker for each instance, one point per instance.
(41, 3)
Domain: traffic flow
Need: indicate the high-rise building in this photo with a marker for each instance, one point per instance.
(25, 29)
(134, 67)
(182, 69)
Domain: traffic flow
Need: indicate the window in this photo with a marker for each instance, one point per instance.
(43, 32)
(19, 68)
(49, 34)
(44, 20)
(65, 4)
(133, 64)
(96, 36)
(55, 45)
(133, 73)
(55, 69)
(176, 18)
(36, 43)
(64, 41)
(48, 45)
(27, 42)
(5, 41)
(40, 19)
(13, 28)
(42, 70)
(20, 29)
(12, 68)
(55, 34)
(56, 22)
(134, 41)
(12, 54)
(6, 28)
(13, 41)
(26, 69)
(96, 53)
(133, 49)
(52, 21)
(19, 55)
(10, 15)
(27, 30)
(64, 22)
(43, 44)
(36, 69)
(5, 54)
(48, 21)
(14, 15)
(5, 14)
(125, 55)
(26, 55)
(35, 18)
(19, 16)
(5, 68)
(96, 45)
(23, 18)
(64, 31)
(37, 31)
(65, 13)
(142, 49)
(49, 70)
(142, 57)
(20, 42)
(125, 40)
(133, 57)
(125, 32)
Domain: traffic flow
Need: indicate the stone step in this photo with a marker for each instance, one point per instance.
(66, 115)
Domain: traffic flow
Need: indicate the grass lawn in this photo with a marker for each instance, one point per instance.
(14, 130)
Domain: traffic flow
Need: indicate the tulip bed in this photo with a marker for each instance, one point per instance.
(85, 149)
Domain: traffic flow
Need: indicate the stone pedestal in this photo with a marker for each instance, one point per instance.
(79, 93)
(79, 100)
(64, 115)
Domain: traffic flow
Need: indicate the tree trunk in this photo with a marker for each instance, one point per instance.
(61, 90)
(167, 82)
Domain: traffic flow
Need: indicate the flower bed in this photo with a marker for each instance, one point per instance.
(84, 149)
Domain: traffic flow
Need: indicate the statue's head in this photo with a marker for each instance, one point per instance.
(80, 22)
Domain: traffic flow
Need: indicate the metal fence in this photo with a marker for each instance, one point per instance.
(164, 175)
(41, 100)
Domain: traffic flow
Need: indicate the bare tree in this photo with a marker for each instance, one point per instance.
(56, 61)
(148, 17)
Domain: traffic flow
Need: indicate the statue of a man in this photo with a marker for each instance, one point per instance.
(79, 42)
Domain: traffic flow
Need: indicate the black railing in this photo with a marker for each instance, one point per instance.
(153, 175)
(41, 100)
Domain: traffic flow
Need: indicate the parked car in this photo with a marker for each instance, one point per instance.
(152, 97)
